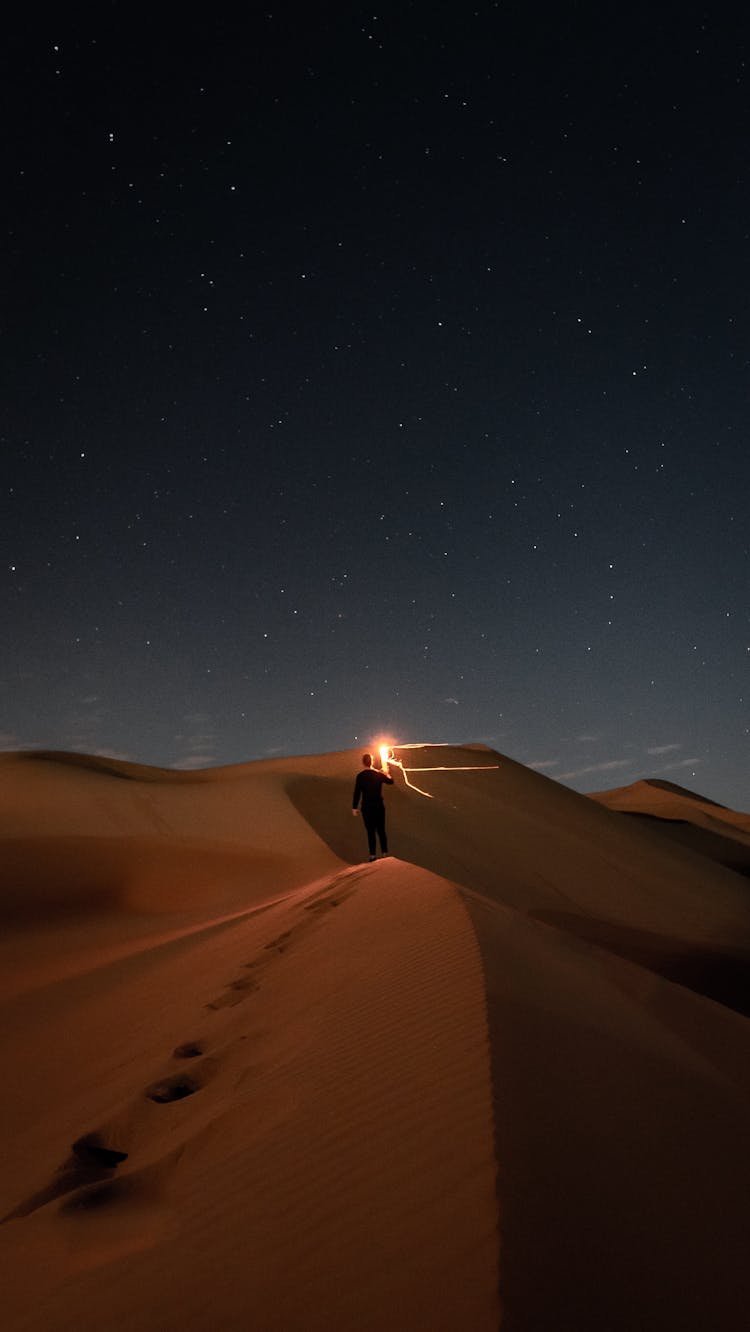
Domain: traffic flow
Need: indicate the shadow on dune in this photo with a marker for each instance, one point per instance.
(682, 791)
(415, 833)
(717, 974)
(727, 851)
(49, 877)
(127, 772)
(324, 803)
(714, 973)
(46, 878)
(124, 769)
(620, 1169)
(90, 1162)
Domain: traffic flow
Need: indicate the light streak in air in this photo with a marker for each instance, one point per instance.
(387, 758)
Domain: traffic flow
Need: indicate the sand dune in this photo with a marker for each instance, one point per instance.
(720, 834)
(500, 1079)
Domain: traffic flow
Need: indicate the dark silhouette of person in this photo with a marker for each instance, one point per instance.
(369, 789)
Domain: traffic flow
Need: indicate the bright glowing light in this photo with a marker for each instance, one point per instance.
(387, 757)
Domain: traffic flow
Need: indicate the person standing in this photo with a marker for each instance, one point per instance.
(369, 789)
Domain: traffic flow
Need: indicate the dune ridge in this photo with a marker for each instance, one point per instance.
(345, 1156)
(710, 830)
(498, 1080)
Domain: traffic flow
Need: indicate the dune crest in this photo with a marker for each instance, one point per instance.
(721, 835)
(254, 1082)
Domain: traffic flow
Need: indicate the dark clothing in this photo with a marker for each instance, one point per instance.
(374, 821)
(369, 789)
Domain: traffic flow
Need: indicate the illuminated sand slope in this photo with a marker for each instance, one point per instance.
(501, 1079)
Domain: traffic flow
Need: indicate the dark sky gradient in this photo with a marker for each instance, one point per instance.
(379, 374)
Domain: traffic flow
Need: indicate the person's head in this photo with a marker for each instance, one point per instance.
(367, 760)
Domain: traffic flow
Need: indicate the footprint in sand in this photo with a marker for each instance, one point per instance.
(281, 942)
(91, 1151)
(176, 1086)
(172, 1089)
(342, 886)
(90, 1162)
(325, 904)
(235, 992)
(188, 1050)
(134, 1203)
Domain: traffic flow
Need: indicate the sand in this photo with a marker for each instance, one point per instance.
(499, 1079)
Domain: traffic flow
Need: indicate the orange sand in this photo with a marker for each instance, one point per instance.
(500, 1079)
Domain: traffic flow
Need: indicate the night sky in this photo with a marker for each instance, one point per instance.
(379, 371)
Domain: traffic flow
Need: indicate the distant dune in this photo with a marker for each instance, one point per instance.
(499, 1079)
(720, 834)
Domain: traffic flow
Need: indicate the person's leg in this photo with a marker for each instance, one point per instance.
(370, 826)
(382, 832)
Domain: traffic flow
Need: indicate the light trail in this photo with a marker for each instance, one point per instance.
(387, 757)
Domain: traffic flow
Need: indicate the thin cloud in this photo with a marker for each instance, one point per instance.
(663, 749)
(682, 763)
(198, 742)
(544, 763)
(596, 767)
(86, 728)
